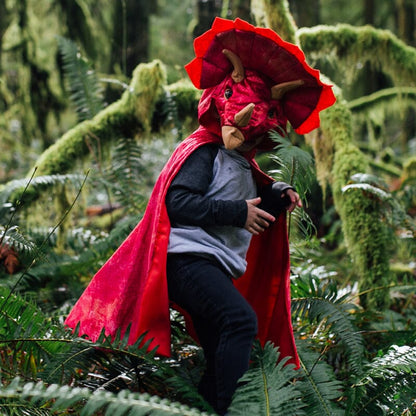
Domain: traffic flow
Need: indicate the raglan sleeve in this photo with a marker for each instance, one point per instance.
(186, 200)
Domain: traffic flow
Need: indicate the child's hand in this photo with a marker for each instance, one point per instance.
(257, 219)
(293, 198)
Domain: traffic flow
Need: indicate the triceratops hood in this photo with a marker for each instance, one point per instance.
(262, 52)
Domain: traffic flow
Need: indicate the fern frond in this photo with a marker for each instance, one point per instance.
(303, 224)
(124, 174)
(26, 336)
(82, 80)
(389, 384)
(267, 387)
(319, 302)
(296, 166)
(319, 385)
(86, 403)
(14, 238)
(37, 183)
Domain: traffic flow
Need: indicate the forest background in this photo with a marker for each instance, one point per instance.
(94, 98)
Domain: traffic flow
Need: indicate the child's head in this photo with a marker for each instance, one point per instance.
(241, 111)
(253, 82)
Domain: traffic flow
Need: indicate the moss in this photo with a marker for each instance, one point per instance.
(385, 168)
(186, 97)
(400, 97)
(346, 45)
(146, 85)
(124, 118)
(275, 14)
(366, 235)
(409, 168)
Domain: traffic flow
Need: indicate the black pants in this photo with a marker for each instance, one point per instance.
(224, 322)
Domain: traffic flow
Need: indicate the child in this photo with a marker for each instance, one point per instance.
(213, 208)
(213, 239)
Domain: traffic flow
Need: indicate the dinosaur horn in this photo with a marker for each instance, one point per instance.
(279, 90)
(242, 118)
(238, 72)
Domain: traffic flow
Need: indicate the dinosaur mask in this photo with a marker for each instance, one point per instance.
(254, 82)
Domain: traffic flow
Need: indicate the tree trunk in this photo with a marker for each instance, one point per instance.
(5, 19)
(406, 16)
(406, 29)
(305, 13)
(207, 10)
(369, 12)
(242, 9)
(130, 35)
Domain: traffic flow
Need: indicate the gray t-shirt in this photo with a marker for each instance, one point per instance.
(232, 180)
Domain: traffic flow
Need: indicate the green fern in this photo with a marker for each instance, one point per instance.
(86, 403)
(26, 336)
(18, 191)
(124, 175)
(89, 257)
(267, 388)
(319, 385)
(82, 80)
(319, 302)
(295, 166)
(14, 238)
(389, 385)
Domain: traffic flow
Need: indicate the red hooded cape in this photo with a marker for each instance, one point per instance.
(131, 287)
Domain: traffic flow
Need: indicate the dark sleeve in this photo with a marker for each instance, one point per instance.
(186, 200)
(271, 197)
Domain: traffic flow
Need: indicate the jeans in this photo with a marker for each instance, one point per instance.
(224, 322)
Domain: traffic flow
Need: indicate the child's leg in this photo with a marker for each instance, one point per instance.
(225, 323)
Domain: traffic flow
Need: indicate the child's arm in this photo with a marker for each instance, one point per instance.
(186, 202)
(277, 197)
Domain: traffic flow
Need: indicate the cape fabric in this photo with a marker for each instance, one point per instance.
(131, 287)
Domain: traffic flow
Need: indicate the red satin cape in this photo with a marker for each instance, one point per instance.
(131, 287)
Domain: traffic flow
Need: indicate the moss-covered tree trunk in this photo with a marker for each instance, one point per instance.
(365, 233)
(5, 19)
(337, 159)
(275, 14)
(126, 117)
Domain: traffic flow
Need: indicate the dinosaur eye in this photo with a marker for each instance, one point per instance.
(271, 113)
(228, 93)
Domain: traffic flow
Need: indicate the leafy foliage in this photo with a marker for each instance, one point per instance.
(83, 83)
(266, 388)
(294, 166)
(123, 174)
(388, 386)
(57, 398)
(318, 301)
(320, 389)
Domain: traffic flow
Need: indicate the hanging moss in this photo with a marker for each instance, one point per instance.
(124, 118)
(366, 235)
(346, 46)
